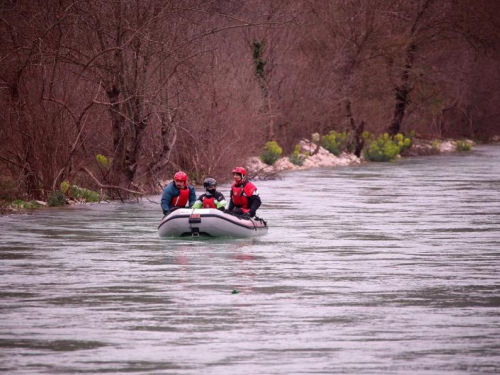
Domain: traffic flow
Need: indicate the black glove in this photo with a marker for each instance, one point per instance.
(166, 212)
(238, 211)
(246, 214)
(227, 211)
(252, 214)
(222, 208)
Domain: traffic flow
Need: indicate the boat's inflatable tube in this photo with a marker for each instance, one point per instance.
(209, 222)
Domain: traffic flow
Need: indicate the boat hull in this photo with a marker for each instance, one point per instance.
(209, 222)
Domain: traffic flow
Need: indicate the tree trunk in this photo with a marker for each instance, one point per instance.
(402, 92)
(357, 138)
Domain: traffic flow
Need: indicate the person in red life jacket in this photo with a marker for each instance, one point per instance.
(212, 198)
(177, 194)
(245, 198)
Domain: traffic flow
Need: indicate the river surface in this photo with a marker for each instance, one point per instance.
(371, 269)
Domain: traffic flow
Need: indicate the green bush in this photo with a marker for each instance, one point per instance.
(272, 152)
(56, 199)
(462, 146)
(436, 146)
(85, 194)
(297, 158)
(64, 187)
(18, 202)
(32, 204)
(22, 204)
(336, 143)
(402, 142)
(103, 161)
(384, 148)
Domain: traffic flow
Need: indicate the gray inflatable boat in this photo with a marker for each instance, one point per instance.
(209, 222)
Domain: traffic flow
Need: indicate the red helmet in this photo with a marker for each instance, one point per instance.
(241, 171)
(181, 176)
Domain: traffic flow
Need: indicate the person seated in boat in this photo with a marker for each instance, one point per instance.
(177, 194)
(211, 198)
(245, 198)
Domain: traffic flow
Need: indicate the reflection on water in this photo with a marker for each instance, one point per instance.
(379, 268)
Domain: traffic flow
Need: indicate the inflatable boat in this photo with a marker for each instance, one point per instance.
(209, 222)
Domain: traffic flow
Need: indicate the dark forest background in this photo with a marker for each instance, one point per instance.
(154, 86)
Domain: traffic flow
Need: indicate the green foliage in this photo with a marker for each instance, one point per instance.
(463, 146)
(64, 187)
(33, 204)
(402, 142)
(272, 152)
(297, 158)
(384, 148)
(436, 146)
(56, 199)
(85, 194)
(336, 143)
(22, 204)
(103, 161)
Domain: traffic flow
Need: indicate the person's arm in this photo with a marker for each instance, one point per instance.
(166, 199)
(192, 196)
(221, 202)
(199, 202)
(254, 203)
(230, 206)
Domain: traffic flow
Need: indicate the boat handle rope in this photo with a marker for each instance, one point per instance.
(254, 226)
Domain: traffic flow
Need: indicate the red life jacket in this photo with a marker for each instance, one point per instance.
(209, 202)
(181, 199)
(240, 194)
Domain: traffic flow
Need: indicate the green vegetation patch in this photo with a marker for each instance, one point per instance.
(297, 158)
(19, 203)
(336, 143)
(384, 148)
(463, 146)
(85, 194)
(103, 161)
(56, 199)
(272, 152)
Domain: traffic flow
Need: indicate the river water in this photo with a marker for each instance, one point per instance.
(377, 268)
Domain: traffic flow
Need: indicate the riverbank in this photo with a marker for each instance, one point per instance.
(310, 156)
(321, 157)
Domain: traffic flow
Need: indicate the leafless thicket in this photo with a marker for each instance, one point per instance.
(161, 85)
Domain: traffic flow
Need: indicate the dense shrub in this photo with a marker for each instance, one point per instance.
(297, 158)
(272, 152)
(56, 199)
(103, 161)
(64, 187)
(402, 142)
(85, 194)
(462, 146)
(336, 143)
(384, 148)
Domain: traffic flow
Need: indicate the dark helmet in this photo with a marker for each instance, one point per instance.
(210, 183)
